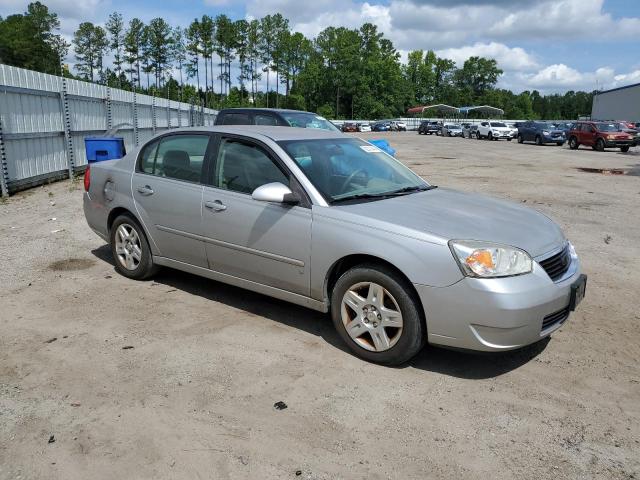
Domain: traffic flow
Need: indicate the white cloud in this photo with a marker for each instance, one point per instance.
(513, 59)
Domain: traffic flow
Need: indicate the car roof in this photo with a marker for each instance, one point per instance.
(258, 109)
(274, 133)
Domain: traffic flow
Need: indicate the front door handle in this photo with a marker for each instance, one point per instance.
(145, 190)
(216, 205)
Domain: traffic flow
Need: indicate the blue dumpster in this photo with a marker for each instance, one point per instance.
(384, 146)
(104, 148)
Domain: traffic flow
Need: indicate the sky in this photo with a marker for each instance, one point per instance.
(548, 45)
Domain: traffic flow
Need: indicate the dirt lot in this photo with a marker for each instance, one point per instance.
(194, 396)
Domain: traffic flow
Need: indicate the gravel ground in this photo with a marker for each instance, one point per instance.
(194, 395)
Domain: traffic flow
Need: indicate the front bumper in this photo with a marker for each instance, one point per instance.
(497, 314)
(552, 139)
(619, 143)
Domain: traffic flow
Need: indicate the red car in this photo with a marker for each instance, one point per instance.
(599, 135)
(349, 127)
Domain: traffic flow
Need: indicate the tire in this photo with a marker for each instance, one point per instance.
(624, 149)
(520, 140)
(509, 139)
(125, 235)
(573, 143)
(560, 144)
(368, 340)
(599, 145)
(490, 136)
(538, 140)
(478, 136)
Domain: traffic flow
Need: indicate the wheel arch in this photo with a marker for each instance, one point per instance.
(117, 211)
(349, 261)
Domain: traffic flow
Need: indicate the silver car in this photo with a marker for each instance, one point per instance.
(331, 222)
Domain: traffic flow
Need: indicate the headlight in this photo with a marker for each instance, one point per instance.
(482, 259)
(545, 133)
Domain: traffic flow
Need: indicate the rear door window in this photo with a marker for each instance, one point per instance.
(265, 119)
(180, 157)
(236, 119)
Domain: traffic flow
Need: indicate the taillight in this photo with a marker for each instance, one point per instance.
(87, 179)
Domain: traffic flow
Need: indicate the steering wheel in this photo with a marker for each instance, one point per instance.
(351, 177)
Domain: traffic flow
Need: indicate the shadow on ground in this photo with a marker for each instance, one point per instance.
(473, 366)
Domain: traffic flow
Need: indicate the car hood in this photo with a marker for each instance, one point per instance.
(450, 214)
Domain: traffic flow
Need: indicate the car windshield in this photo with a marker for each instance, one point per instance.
(350, 169)
(308, 120)
(498, 124)
(608, 127)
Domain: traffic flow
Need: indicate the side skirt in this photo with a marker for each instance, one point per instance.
(246, 284)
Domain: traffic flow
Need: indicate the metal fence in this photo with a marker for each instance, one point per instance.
(44, 119)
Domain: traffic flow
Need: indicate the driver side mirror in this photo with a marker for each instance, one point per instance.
(275, 192)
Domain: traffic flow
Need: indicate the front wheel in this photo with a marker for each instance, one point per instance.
(377, 314)
(559, 143)
(573, 143)
(624, 149)
(130, 249)
(520, 140)
(538, 140)
(600, 145)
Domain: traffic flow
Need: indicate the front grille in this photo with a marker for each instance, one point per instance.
(556, 265)
(555, 318)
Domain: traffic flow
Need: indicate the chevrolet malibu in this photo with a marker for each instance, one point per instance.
(331, 222)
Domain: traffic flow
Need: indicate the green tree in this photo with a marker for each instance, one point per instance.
(28, 40)
(133, 42)
(115, 29)
(90, 44)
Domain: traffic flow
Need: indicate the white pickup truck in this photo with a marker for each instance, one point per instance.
(495, 131)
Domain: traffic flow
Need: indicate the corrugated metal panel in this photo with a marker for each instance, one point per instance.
(31, 109)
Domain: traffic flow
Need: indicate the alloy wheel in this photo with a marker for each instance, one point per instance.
(371, 316)
(128, 247)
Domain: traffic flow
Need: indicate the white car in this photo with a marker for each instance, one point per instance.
(402, 127)
(364, 127)
(494, 131)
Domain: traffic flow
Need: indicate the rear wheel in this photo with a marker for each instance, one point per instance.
(559, 143)
(625, 148)
(130, 249)
(490, 136)
(377, 315)
(600, 145)
(573, 143)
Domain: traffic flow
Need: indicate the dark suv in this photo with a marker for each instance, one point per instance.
(429, 128)
(273, 116)
(600, 135)
(541, 133)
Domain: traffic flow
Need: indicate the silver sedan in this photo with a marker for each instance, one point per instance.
(331, 222)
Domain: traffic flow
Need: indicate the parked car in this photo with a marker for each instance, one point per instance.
(469, 131)
(451, 130)
(273, 116)
(428, 128)
(381, 127)
(540, 133)
(312, 217)
(364, 127)
(400, 126)
(349, 127)
(599, 135)
(634, 132)
(494, 131)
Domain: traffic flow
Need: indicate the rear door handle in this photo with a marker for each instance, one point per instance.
(145, 190)
(216, 205)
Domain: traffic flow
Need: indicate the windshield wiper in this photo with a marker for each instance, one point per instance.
(378, 196)
(411, 190)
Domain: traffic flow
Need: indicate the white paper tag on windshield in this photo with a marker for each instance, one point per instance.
(370, 149)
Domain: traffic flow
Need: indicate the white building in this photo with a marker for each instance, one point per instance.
(621, 103)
